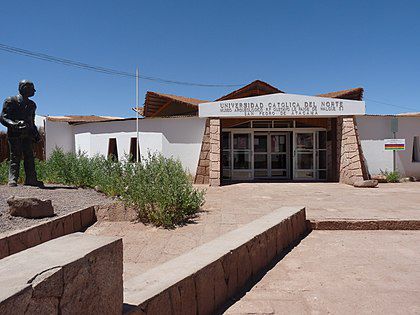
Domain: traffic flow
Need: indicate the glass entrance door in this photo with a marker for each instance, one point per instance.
(279, 155)
(271, 155)
(304, 156)
(241, 156)
(261, 152)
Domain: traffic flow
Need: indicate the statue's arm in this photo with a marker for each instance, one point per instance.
(5, 118)
(36, 135)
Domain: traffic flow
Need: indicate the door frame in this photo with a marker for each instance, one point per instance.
(295, 154)
(269, 153)
(290, 132)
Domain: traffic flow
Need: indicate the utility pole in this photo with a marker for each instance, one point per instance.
(137, 118)
(394, 130)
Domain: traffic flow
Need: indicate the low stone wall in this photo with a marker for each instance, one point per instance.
(74, 274)
(365, 225)
(202, 280)
(14, 242)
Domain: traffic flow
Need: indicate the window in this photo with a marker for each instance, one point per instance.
(226, 154)
(133, 151)
(262, 124)
(322, 155)
(112, 149)
(416, 149)
(241, 151)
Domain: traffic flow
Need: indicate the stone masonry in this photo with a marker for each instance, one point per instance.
(202, 173)
(74, 274)
(210, 275)
(215, 152)
(349, 152)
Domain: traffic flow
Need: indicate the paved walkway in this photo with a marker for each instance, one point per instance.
(231, 206)
(342, 272)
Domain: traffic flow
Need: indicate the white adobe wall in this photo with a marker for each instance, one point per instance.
(374, 129)
(408, 128)
(58, 134)
(40, 121)
(177, 137)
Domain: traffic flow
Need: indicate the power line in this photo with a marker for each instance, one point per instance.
(389, 104)
(109, 71)
(85, 66)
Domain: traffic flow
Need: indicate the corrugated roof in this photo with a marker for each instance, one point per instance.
(254, 88)
(81, 119)
(351, 94)
(160, 104)
(409, 114)
(156, 103)
(181, 99)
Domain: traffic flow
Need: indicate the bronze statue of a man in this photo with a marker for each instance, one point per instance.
(18, 115)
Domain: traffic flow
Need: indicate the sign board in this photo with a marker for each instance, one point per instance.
(282, 105)
(394, 144)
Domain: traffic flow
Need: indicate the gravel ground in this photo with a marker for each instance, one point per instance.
(64, 200)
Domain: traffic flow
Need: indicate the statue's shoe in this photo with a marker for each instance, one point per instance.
(12, 184)
(37, 183)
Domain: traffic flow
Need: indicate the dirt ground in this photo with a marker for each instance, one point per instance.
(64, 200)
(229, 207)
(341, 272)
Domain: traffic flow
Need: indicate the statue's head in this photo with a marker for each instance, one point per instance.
(26, 88)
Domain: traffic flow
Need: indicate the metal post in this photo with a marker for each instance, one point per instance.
(394, 130)
(137, 118)
(394, 154)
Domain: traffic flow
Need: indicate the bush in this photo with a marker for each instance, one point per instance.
(162, 191)
(4, 172)
(110, 176)
(158, 187)
(392, 177)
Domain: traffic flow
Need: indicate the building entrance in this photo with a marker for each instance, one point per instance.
(273, 153)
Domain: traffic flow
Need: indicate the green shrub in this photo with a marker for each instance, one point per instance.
(4, 172)
(158, 187)
(162, 191)
(109, 175)
(392, 177)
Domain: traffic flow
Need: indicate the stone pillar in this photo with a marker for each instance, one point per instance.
(202, 173)
(329, 152)
(349, 150)
(214, 152)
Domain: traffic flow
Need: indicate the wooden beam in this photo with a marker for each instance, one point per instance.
(162, 108)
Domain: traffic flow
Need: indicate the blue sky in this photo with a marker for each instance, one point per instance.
(302, 47)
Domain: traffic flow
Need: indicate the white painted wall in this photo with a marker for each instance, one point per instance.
(40, 121)
(408, 127)
(60, 135)
(174, 137)
(374, 129)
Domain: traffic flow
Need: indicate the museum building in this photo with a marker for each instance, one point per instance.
(255, 133)
(260, 133)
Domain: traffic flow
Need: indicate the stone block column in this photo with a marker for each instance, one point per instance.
(350, 155)
(214, 152)
(202, 173)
